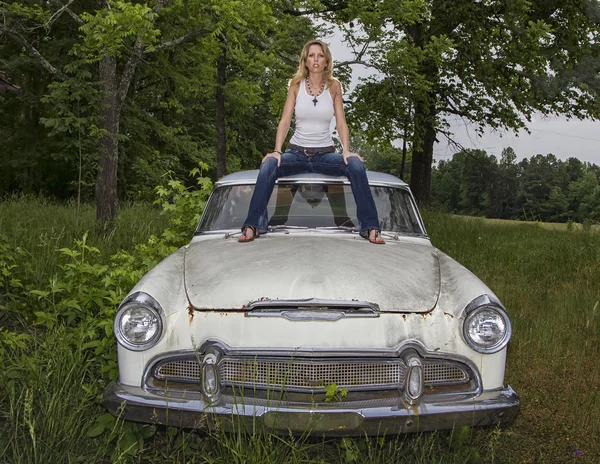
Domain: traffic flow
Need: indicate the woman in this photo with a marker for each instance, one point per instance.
(316, 97)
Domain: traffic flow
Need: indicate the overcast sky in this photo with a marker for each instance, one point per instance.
(564, 139)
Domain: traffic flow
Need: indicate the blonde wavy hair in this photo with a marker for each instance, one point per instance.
(302, 72)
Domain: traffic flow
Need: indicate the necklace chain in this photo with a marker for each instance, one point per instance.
(314, 100)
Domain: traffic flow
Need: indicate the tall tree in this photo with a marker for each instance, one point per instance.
(114, 36)
(102, 44)
(506, 206)
(493, 63)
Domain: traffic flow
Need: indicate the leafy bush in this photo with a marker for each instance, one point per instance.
(72, 317)
(11, 286)
(183, 205)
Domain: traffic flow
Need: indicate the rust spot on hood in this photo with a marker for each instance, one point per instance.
(190, 310)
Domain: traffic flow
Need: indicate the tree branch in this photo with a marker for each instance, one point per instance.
(183, 39)
(66, 8)
(366, 64)
(252, 38)
(136, 56)
(452, 109)
(33, 52)
(451, 142)
(128, 72)
(330, 7)
(138, 52)
(159, 6)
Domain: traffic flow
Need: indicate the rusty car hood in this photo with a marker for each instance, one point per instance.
(400, 276)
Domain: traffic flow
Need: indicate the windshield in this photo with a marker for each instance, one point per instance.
(310, 206)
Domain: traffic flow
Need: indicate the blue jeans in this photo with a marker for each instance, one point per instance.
(296, 162)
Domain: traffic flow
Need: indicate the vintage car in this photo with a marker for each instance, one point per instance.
(310, 328)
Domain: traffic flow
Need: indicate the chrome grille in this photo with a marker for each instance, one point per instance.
(309, 375)
(186, 370)
(443, 374)
(353, 374)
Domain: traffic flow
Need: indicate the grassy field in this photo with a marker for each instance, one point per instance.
(559, 226)
(549, 280)
(40, 227)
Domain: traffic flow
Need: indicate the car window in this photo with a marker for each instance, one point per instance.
(310, 205)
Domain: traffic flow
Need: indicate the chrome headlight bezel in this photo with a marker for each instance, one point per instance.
(148, 303)
(476, 307)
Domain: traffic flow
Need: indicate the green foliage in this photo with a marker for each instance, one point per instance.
(84, 292)
(106, 31)
(350, 449)
(49, 399)
(183, 205)
(543, 187)
(34, 13)
(493, 63)
(53, 378)
(167, 120)
(10, 286)
(72, 120)
(382, 156)
(129, 436)
(76, 294)
(333, 393)
(10, 342)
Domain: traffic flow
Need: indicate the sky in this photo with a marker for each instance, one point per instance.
(559, 136)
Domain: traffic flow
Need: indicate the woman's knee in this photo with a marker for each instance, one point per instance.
(269, 164)
(356, 165)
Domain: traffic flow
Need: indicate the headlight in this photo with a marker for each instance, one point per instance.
(139, 322)
(486, 327)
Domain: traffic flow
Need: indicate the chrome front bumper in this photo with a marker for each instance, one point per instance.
(134, 403)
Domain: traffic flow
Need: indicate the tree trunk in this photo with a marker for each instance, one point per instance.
(220, 116)
(403, 163)
(420, 179)
(424, 121)
(106, 181)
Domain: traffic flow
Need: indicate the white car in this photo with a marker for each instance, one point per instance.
(310, 328)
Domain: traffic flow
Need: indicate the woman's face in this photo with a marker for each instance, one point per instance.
(316, 61)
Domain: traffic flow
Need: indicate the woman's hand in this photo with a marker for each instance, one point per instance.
(273, 154)
(349, 154)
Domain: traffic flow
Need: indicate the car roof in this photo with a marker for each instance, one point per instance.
(249, 177)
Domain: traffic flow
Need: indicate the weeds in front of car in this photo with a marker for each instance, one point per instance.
(57, 352)
(48, 404)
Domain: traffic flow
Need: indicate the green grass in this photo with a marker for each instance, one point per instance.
(40, 227)
(549, 280)
(563, 226)
(48, 410)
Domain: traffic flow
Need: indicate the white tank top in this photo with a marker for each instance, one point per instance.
(313, 122)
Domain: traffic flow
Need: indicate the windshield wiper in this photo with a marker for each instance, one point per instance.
(344, 228)
(282, 226)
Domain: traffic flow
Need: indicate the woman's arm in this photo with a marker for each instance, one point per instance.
(284, 124)
(340, 120)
